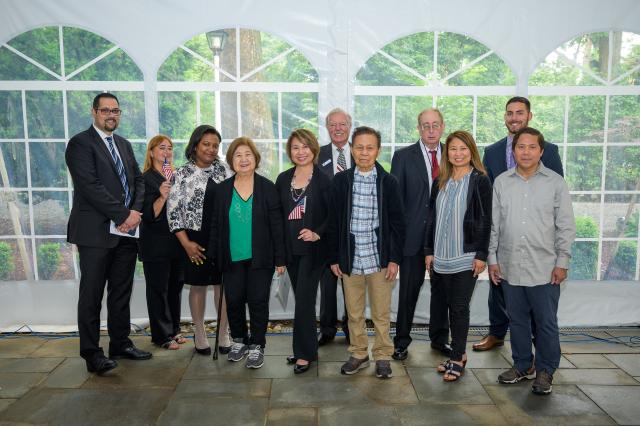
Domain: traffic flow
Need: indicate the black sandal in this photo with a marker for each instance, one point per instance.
(454, 372)
(443, 366)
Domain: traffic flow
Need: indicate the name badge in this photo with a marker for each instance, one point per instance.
(326, 162)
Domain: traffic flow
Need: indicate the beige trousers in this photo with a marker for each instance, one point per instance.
(379, 289)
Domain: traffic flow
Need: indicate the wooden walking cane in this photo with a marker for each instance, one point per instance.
(215, 350)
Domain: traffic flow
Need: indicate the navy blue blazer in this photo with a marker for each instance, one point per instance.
(325, 159)
(495, 158)
(409, 168)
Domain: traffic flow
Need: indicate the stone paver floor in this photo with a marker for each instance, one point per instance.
(43, 381)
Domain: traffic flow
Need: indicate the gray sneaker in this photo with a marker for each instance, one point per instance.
(238, 351)
(514, 376)
(353, 365)
(256, 356)
(383, 369)
(542, 384)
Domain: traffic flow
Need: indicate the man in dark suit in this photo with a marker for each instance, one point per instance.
(108, 196)
(333, 158)
(497, 159)
(415, 167)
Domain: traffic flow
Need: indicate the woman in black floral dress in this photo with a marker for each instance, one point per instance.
(189, 210)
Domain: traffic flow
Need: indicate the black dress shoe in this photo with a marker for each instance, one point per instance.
(299, 369)
(400, 354)
(223, 350)
(205, 351)
(291, 359)
(131, 353)
(324, 339)
(101, 365)
(444, 349)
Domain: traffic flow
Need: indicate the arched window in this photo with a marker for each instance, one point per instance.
(244, 82)
(586, 97)
(465, 79)
(48, 78)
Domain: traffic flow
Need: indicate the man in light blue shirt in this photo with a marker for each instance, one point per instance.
(532, 231)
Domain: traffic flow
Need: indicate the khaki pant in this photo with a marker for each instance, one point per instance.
(379, 289)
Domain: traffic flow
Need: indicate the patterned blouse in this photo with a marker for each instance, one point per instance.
(184, 205)
(451, 206)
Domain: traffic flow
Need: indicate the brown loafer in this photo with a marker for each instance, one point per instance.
(488, 342)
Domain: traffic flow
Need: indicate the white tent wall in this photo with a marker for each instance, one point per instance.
(337, 37)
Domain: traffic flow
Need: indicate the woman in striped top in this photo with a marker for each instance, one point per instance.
(457, 237)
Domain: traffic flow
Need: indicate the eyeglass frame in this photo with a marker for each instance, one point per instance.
(108, 111)
(427, 127)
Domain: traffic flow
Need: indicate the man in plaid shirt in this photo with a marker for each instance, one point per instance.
(365, 238)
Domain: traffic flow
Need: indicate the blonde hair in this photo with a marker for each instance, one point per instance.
(446, 169)
(154, 142)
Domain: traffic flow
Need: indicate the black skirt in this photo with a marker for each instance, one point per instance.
(205, 274)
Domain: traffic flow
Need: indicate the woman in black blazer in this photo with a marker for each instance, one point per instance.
(246, 244)
(159, 249)
(303, 193)
(457, 237)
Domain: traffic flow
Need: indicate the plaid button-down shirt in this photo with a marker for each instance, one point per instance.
(364, 222)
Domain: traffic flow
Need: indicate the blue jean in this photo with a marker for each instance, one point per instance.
(541, 303)
(498, 316)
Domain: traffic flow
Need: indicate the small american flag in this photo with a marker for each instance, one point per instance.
(298, 210)
(167, 170)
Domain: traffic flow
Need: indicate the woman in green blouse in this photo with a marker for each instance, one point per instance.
(247, 244)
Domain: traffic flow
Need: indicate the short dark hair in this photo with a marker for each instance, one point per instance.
(528, 131)
(365, 130)
(237, 143)
(306, 137)
(196, 137)
(522, 99)
(96, 100)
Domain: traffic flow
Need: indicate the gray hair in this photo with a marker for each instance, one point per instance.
(336, 111)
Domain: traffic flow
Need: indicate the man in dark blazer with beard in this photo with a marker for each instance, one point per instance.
(497, 159)
(108, 189)
(334, 157)
(415, 167)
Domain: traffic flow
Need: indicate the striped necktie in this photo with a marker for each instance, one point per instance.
(342, 162)
(120, 169)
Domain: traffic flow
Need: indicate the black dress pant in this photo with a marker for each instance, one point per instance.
(329, 304)
(163, 287)
(412, 272)
(113, 267)
(438, 312)
(459, 289)
(245, 286)
(304, 281)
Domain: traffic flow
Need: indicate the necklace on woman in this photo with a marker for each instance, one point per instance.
(297, 193)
